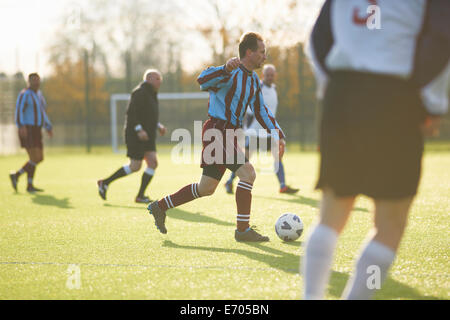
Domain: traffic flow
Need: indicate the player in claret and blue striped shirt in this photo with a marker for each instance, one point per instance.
(232, 88)
(30, 117)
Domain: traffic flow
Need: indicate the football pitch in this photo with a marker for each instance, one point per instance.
(115, 252)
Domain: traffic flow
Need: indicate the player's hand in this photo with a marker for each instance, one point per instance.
(162, 130)
(281, 147)
(50, 133)
(232, 64)
(23, 132)
(142, 135)
(430, 128)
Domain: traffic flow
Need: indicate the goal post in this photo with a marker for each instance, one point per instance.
(123, 99)
(9, 140)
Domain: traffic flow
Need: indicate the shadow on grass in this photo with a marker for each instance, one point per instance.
(196, 217)
(290, 263)
(274, 258)
(49, 200)
(305, 200)
(179, 215)
(391, 289)
(144, 207)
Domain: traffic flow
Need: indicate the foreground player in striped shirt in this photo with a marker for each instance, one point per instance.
(30, 117)
(232, 88)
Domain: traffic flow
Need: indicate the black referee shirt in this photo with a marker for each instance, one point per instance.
(143, 109)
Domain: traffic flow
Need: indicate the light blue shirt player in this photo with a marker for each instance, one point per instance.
(31, 109)
(231, 92)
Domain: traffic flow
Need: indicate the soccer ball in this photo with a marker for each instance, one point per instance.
(289, 227)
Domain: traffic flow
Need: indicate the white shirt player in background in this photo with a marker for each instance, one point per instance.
(256, 131)
(269, 91)
(413, 43)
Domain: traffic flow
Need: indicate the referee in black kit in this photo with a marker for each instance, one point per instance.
(385, 85)
(141, 126)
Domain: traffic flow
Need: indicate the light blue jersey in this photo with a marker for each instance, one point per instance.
(30, 109)
(231, 92)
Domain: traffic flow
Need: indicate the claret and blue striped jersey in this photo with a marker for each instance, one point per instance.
(231, 92)
(30, 109)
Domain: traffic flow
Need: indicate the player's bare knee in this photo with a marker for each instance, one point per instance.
(253, 175)
(135, 166)
(151, 159)
(334, 210)
(37, 159)
(205, 191)
(247, 173)
(153, 164)
(390, 237)
(391, 226)
(36, 156)
(207, 186)
(391, 217)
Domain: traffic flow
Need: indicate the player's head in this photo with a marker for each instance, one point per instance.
(269, 74)
(252, 49)
(153, 77)
(34, 81)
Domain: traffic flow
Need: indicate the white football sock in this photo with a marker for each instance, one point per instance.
(150, 171)
(371, 270)
(127, 169)
(317, 262)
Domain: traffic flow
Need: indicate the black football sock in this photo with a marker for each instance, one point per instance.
(146, 178)
(30, 173)
(122, 172)
(29, 165)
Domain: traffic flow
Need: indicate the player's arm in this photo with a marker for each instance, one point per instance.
(265, 117)
(47, 123)
(162, 129)
(217, 77)
(432, 68)
(318, 47)
(20, 113)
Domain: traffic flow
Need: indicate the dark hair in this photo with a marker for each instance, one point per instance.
(249, 40)
(31, 75)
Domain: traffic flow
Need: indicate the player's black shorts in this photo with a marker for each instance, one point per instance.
(137, 148)
(33, 139)
(370, 138)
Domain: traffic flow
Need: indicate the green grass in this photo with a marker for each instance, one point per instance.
(121, 255)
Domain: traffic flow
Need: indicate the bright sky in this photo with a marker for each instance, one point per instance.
(26, 29)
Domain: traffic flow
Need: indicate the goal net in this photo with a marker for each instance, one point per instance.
(176, 110)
